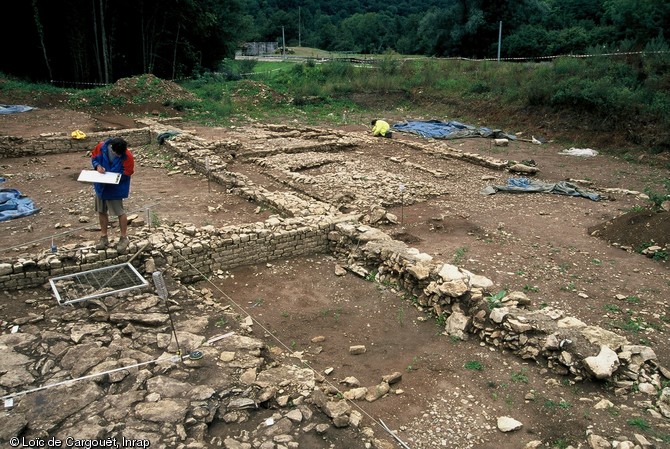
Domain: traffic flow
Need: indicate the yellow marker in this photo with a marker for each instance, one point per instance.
(77, 134)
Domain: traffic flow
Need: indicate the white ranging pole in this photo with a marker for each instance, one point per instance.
(209, 175)
(9, 399)
(402, 204)
(392, 433)
(162, 291)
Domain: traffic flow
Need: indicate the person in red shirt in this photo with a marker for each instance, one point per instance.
(113, 155)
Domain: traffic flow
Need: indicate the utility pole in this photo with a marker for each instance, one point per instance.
(283, 43)
(299, 28)
(499, 39)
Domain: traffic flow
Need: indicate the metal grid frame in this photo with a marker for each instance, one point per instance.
(96, 283)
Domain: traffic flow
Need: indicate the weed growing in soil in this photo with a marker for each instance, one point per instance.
(642, 246)
(400, 317)
(633, 300)
(458, 255)
(155, 221)
(530, 288)
(612, 308)
(635, 208)
(474, 365)
(560, 404)
(631, 325)
(560, 443)
(657, 198)
(495, 301)
(640, 423)
(520, 376)
(410, 367)
(569, 288)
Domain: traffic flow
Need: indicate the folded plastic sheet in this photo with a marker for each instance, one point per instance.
(15, 205)
(437, 129)
(14, 108)
(525, 185)
(580, 152)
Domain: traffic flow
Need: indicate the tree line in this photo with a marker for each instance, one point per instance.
(99, 41)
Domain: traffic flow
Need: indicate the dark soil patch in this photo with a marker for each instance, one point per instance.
(406, 237)
(636, 229)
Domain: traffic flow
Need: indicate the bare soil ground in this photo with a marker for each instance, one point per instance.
(540, 244)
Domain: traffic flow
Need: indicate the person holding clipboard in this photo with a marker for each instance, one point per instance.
(112, 155)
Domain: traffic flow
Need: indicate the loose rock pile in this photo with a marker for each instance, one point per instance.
(137, 386)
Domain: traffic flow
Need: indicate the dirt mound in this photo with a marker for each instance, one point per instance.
(149, 88)
(257, 93)
(637, 229)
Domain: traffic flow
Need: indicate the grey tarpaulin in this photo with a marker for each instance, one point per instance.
(167, 135)
(14, 108)
(437, 129)
(525, 185)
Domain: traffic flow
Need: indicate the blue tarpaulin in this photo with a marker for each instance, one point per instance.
(15, 205)
(437, 129)
(14, 108)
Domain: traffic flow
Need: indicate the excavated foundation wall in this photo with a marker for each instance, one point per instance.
(57, 144)
(468, 306)
(465, 302)
(191, 253)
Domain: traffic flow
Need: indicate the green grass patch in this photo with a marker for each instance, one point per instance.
(475, 365)
(519, 376)
(612, 308)
(560, 443)
(630, 325)
(632, 300)
(640, 423)
(562, 404)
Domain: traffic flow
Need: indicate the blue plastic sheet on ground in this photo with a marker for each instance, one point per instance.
(14, 108)
(15, 205)
(525, 185)
(437, 129)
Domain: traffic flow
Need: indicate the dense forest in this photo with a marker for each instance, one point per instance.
(99, 41)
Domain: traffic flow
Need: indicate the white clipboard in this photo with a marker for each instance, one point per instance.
(103, 178)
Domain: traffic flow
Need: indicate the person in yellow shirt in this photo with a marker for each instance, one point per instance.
(381, 128)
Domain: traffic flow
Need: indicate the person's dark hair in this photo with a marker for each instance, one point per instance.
(374, 122)
(118, 145)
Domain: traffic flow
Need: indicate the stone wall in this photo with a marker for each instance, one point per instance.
(11, 146)
(468, 305)
(193, 252)
(189, 251)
